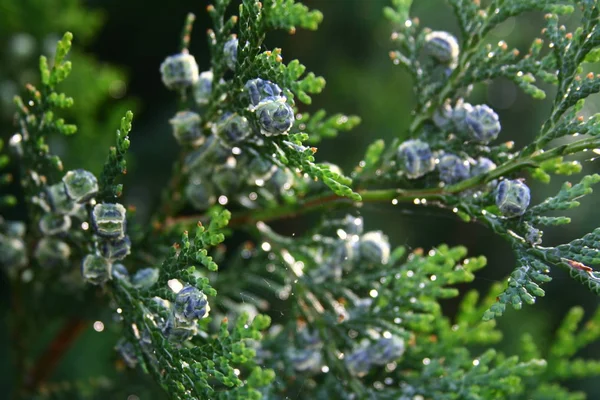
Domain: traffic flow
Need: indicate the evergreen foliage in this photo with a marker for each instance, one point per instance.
(363, 319)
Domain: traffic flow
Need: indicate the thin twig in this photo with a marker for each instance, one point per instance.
(48, 361)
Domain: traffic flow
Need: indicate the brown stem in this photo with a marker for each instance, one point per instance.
(48, 361)
(309, 205)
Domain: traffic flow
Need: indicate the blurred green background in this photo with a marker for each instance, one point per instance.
(119, 46)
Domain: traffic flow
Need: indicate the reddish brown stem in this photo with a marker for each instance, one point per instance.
(48, 361)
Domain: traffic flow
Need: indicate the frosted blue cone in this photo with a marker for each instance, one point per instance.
(80, 185)
(95, 269)
(179, 71)
(116, 249)
(186, 128)
(51, 252)
(233, 128)
(230, 52)
(453, 169)
(483, 124)
(415, 158)
(386, 350)
(54, 224)
(442, 117)
(374, 247)
(259, 89)
(442, 46)
(145, 278)
(191, 303)
(199, 194)
(109, 220)
(275, 116)
(482, 166)
(203, 88)
(12, 252)
(512, 197)
(59, 201)
(459, 116)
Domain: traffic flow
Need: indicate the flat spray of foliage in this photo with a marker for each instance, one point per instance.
(362, 319)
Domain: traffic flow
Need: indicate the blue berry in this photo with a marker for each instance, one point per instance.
(109, 220)
(257, 167)
(353, 225)
(232, 128)
(483, 123)
(358, 362)
(145, 278)
(54, 224)
(12, 228)
(453, 169)
(203, 88)
(280, 182)
(459, 116)
(230, 52)
(259, 89)
(275, 116)
(179, 331)
(191, 303)
(341, 259)
(442, 117)
(482, 166)
(512, 197)
(227, 177)
(80, 185)
(127, 352)
(51, 252)
(382, 352)
(305, 360)
(95, 269)
(212, 152)
(186, 128)
(374, 247)
(119, 271)
(179, 71)
(386, 350)
(442, 46)
(59, 201)
(199, 194)
(116, 249)
(12, 252)
(415, 158)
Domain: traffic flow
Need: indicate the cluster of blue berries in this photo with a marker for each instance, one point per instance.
(352, 248)
(442, 47)
(382, 351)
(215, 164)
(479, 124)
(109, 223)
(415, 159)
(216, 169)
(61, 203)
(178, 322)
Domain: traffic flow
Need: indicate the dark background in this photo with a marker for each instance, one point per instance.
(120, 45)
